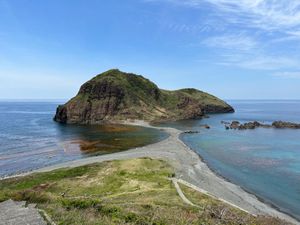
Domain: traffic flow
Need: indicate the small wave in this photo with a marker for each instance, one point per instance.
(29, 153)
(27, 112)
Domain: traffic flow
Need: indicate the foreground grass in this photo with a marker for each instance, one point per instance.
(135, 191)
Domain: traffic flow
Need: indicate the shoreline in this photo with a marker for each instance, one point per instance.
(259, 198)
(188, 166)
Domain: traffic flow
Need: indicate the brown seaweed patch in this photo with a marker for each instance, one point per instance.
(107, 139)
(93, 146)
(118, 128)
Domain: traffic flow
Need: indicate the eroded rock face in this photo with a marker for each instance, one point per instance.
(61, 114)
(116, 96)
(102, 90)
(217, 109)
(189, 108)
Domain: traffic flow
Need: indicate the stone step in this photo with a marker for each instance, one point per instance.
(15, 213)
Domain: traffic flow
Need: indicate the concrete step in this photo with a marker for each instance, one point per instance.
(15, 213)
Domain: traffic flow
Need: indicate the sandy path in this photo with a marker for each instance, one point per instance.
(180, 193)
(188, 167)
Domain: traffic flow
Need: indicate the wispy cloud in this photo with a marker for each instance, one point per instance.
(293, 75)
(232, 42)
(255, 35)
(269, 63)
(259, 62)
(282, 16)
(264, 14)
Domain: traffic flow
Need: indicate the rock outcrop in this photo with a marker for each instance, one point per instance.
(116, 96)
(255, 124)
(282, 124)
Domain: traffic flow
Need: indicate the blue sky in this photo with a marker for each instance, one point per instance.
(235, 49)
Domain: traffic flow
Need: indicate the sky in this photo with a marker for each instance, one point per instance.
(234, 49)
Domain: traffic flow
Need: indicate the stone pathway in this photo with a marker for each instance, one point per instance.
(15, 213)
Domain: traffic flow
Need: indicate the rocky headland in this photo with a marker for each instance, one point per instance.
(118, 96)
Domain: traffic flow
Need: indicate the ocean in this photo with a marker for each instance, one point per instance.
(265, 162)
(30, 139)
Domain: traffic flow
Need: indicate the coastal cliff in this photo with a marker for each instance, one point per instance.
(117, 96)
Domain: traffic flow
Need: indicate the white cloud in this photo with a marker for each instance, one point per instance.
(232, 42)
(269, 63)
(290, 36)
(264, 14)
(270, 15)
(253, 32)
(259, 62)
(293, 75)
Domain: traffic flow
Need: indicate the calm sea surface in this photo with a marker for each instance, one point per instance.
(30, 139)
(263, 161)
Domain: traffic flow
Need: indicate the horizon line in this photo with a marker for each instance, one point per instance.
(225, 99)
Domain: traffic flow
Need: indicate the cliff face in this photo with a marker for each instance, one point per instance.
(115, 95)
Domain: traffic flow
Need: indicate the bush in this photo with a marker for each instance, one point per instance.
(130, 217)
(80, 204)
(30, 196)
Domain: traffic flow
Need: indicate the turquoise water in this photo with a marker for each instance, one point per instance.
(30, 139)
(265, 162)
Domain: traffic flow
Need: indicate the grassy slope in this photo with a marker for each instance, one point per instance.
(139, 88)
(205, 98)
(135, 191)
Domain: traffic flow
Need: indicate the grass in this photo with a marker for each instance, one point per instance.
(136, 191)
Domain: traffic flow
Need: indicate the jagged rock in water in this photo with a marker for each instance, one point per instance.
(234, 125)
(191, 132)
(206, 126)
(249, 125)
(117, 96)
(282, 124)
(255, 124)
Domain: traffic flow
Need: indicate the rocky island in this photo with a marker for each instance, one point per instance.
(117, 96)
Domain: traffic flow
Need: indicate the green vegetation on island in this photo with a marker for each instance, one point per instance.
(136, 191)
(117, 96)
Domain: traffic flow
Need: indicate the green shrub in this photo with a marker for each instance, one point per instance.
(130, 217)
(30, 196)
(80, 204)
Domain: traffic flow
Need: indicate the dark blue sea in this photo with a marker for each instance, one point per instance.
(265, 162)
(30, 139)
